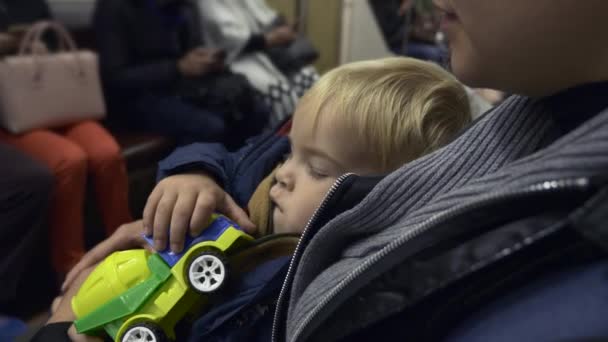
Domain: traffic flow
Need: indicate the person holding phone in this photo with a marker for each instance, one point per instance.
(157, 70)
(255, 37)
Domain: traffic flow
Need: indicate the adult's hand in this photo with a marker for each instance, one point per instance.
(281, 35)
(127, 236)
(200, 61)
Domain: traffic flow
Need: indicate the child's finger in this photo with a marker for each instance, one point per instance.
(150, 210)
(205, 205)
(180, 220)
(162, 219)
(236, 213)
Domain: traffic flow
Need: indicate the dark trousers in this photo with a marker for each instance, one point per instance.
(26, 281)
(171, 116)
(187, 122)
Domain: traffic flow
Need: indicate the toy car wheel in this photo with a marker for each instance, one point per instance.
(207, 272)
(144, 332)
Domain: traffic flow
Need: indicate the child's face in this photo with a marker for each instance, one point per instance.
(521, 46)
(317, 159)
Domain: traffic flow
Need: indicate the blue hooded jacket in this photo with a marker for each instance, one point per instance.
(246, 308)
(240, 172)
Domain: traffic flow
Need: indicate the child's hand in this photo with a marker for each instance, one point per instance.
(128, 236)
(185, 203)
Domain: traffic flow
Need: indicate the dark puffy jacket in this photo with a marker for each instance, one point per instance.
(139, 45)
(245, 312)
(240, 172)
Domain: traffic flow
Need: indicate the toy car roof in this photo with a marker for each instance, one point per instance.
(215, 229)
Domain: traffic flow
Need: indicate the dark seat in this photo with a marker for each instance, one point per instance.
(141, 152)
(139, 148)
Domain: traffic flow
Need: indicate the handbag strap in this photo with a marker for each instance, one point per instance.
(34, 35)
(26, 43)
(60, 31)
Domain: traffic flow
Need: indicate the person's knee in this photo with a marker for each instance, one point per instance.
(106, 155)
(70, 162)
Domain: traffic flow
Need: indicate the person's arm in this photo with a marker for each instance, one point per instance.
(60, 327)
(114, 53)
(201, 179)
(281, 35)
(245, 167)
(183, 174)
(257, 42)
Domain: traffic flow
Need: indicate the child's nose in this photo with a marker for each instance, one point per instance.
(284, 178)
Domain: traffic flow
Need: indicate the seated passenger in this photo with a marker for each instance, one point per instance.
(25, 193)
(410, 28)
(72, 153)
(158, 75)
(248, 30)
(367, 118)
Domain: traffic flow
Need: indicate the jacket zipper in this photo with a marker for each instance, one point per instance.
(299, 248)
(576, 184)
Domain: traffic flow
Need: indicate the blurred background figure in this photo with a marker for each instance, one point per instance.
(411, 28)
(248, 31)
(16, 17)
(160, 77)
(423, 39)
(73, 153)
(26, 279)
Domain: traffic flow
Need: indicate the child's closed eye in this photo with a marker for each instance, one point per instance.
(316, 173)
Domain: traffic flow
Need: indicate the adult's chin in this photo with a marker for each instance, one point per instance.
(467, 67)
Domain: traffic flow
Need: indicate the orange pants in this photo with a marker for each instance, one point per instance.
(72, 153)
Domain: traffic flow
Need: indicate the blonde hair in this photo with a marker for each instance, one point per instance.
(400, 108)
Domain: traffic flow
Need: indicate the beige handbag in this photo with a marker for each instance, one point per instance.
(39, 89)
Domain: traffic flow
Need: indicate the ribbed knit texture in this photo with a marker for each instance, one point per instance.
(511, 147)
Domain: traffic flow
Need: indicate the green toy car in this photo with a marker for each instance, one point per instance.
(137, 295)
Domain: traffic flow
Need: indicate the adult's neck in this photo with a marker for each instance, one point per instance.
(592, 67)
